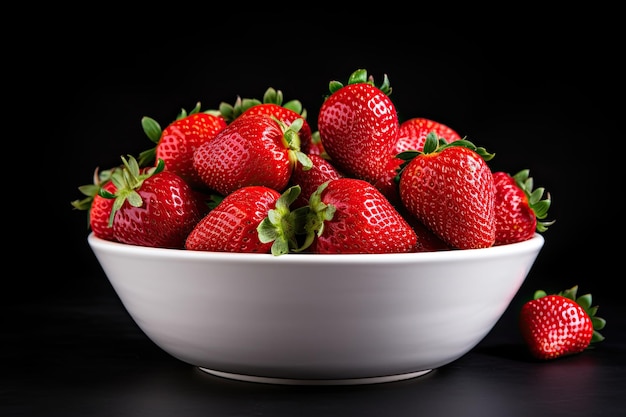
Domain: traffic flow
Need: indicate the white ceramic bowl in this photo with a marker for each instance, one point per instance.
(316, 319)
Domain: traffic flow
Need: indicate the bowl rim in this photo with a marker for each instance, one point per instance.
(531, 245)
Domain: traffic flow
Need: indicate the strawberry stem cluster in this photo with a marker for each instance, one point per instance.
(360, 76)
(283, 225)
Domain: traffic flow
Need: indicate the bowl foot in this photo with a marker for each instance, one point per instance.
(294, 381)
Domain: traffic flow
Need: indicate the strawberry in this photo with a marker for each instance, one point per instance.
(232, 225)
(412, 133)
(98, 208)
(519, 208)
(321, 171)
(411, 136)
(387, 183)
(152, 207)
(316, 147)
(100, 213)
(427, 241)
(358, 125)
(349, 215)
(560, 324)
(449, 188)
(272, 105)
(251, 150)
(175, 144)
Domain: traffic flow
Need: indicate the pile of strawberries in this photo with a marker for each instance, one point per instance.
(253, 177)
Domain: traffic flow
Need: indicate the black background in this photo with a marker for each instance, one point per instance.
(541, 92)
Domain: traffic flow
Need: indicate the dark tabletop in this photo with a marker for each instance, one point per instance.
(82, 355)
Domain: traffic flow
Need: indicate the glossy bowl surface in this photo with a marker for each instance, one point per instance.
(316, 319)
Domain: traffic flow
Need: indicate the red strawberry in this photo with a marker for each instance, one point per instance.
(251, 150)
(427, 241)
(387, 183)
(412, 133)
(349, 215)
(98, 208)
(232, 225)
(100, 213)
(518, 207)
(272, 105)
(176, 144)
(321, 171)
(316, 147)
(560, 324)
(449, 188)
(358, 126)
(155, 208)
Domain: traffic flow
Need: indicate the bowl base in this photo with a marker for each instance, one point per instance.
(295, 381)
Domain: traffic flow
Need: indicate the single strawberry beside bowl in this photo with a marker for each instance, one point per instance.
(558, 325)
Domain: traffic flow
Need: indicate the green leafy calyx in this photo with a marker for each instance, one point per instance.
(127, 181)
(536, 202)
(282, 225)
(434, 144)
(271, 96)
(360, 77)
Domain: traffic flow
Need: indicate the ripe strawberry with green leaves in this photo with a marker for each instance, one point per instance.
(358, 125)
(520, 209)
(232, 225)
(252, 150)
(350, 215)
(558, 325)
(98, 208)
(272, 105)
(449, 188)
(152, 207)
(412, 133)
(176, 144)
